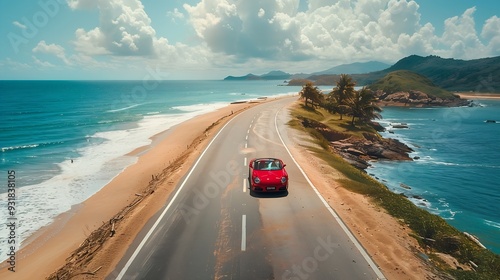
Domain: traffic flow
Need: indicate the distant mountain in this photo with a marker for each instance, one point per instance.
(479, 75)
(354, 68)
(273, 75)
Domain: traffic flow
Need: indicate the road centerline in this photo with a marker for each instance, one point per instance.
(243, 232)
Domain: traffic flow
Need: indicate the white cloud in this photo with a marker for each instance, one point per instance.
(175, 15)
(90, 42)
(460, 35)
(125, 38)
(261, 13)
(491, 34)
(245, 28)
(124, 29)
(52, 49)
(18, 24)
(43, 64)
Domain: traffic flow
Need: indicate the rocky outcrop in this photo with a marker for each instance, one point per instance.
(415, 98)
(359, 151)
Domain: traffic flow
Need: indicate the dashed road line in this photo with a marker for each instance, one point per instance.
(244, 233)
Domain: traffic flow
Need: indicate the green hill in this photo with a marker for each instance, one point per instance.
(477, 75)
(406, 81)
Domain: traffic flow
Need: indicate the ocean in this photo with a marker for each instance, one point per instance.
(65, 140)
(62, 141)
(456, 173)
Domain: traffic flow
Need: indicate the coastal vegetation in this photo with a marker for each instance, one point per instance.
(432, 232)
(400, 88)
(344, 100)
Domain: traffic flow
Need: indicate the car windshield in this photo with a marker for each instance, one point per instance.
(267, 165)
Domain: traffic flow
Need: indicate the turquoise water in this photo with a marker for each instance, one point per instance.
(65, 140)
(457, 175)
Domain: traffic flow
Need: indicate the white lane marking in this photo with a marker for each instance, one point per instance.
(152, 229)
(245, 161)
(245, 185)
(246, 145)
(244, 233)
(248, 131)
(353, 239)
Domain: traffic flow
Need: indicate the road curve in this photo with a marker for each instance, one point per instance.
(214, 228)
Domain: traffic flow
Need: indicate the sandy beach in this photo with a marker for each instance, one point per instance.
(162, 165)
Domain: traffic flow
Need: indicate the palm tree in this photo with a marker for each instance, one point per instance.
(312, 93)
(363, 107)
(340, 95)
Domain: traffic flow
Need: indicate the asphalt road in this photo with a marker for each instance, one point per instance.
(214, 228)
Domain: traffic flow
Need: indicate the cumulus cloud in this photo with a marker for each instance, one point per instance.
(460, 35)
(246, 28)
(491, 34)
(125, 29)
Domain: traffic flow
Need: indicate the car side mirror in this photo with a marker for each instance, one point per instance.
(284, 165)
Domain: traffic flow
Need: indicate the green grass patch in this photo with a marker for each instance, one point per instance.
(431, 231)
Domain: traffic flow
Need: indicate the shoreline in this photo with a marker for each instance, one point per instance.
(43, 252)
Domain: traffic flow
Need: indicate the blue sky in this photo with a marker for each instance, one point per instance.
(210, 39)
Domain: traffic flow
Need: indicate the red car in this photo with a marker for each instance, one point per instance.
(267, 175)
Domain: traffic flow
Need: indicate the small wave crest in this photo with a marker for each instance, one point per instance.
(29, 146)
(464, 164)
(123, 109)
(492, 224)
(4, 149)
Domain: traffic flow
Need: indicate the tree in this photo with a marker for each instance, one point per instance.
(311, 93)
(339, 96)
(362, 106)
